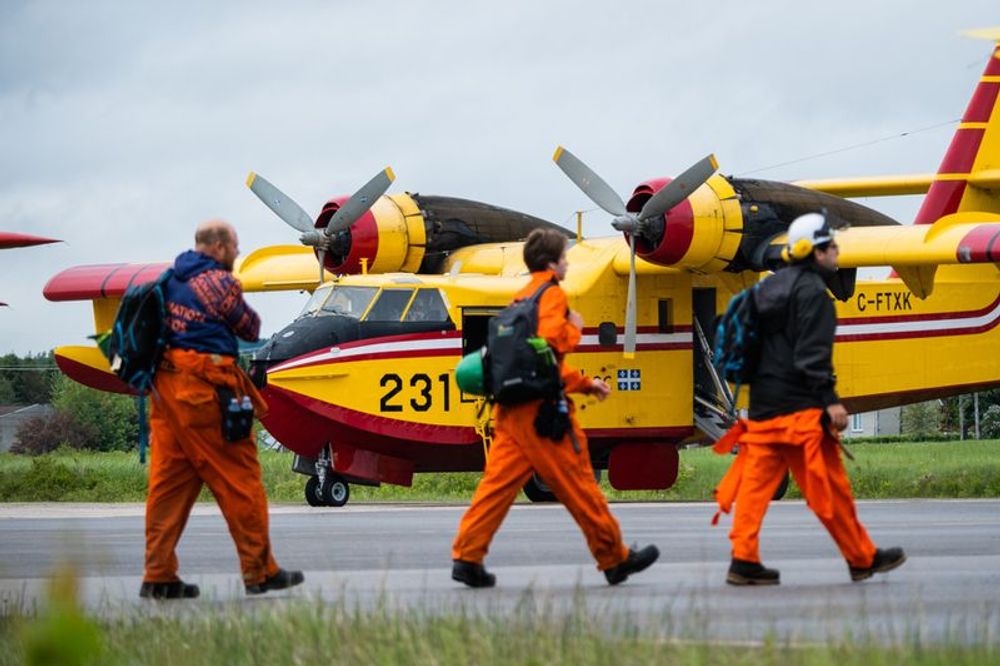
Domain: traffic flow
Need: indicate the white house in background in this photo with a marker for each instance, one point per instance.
(874, 424)
(12, 417)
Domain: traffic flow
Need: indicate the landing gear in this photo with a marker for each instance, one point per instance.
(332, 491)
(324, 487)
(336, 490)
(538, 491)
(313, 495)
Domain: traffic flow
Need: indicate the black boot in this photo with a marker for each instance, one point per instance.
(175, 589)
(743, 572)
(636, 561)
(279, 581)
(884, 560)
(472, 574)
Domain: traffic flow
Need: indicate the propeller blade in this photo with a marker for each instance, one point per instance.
(360, 202)
(588, 181)
(282, 205)
(630, 303)
(679, 188)
(322, 263)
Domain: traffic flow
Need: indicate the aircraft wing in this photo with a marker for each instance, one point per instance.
(874, 186)
(915, 251)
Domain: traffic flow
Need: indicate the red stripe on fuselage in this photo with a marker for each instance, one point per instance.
(931, 316)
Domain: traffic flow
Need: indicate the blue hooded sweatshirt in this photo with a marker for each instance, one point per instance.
(205, 307)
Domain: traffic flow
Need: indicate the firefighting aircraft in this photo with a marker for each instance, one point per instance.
(361, 384)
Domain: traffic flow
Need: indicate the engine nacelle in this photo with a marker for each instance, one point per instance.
(389, 237)
(415, 233)
(702, 233)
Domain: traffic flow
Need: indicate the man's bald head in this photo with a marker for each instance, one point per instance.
(218, 239)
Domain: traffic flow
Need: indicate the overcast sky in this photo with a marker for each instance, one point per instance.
(124, 124)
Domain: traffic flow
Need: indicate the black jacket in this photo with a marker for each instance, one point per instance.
(798, 323)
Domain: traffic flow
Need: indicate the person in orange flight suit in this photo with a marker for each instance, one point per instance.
(795, 416)
(205, 313)
(518, 450)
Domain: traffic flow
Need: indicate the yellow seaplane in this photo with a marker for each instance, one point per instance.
(361, 385)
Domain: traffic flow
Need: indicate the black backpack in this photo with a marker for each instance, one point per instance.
(520, 366)
(738, 340)
(138, 337)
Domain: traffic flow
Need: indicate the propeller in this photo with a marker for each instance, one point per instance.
(633, 224)
(297, 218)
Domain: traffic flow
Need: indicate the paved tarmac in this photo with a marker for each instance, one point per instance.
(400, 555)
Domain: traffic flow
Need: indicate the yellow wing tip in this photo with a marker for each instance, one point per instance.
(389, 174)
(715, 162)
(992, 34)
(557, 154)
(250, 178)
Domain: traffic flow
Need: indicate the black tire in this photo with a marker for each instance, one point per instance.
(782, 488)
(313, 495)
(336, 490)
(537, 491)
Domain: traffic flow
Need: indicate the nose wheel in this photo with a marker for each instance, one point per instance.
(332, 491)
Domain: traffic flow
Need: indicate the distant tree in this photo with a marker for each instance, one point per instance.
(921, 419)
(42, 434)
(32, 380)
(989, 423)
(8, 396)
(112, 416)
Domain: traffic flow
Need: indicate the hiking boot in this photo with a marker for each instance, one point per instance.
(175, 589)
(636, 561)
(472, 574)
(884, 560)
(744, 572)
(279, 581)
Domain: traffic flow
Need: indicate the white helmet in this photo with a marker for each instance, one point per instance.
(805, 233)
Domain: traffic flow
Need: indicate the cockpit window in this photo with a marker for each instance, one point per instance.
(315, 301)
(427, 306)
(390, 305)
(350, 301)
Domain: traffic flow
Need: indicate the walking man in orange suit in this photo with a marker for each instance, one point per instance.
(518, 449)
(795, 416)
(205, 314)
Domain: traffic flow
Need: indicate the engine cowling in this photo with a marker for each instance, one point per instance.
(415, 233)
(702, 233)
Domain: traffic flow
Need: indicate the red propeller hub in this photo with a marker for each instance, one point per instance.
(360, 241)
(669, 238)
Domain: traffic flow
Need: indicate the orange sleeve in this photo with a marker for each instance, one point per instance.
(561, 335)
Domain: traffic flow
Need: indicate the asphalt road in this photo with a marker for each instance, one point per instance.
(400, 554)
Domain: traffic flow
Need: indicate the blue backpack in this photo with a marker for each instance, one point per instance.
(738, 340)
(136, 342)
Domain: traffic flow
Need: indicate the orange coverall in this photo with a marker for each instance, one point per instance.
(767, 449)
(188, 450)
(517, 450)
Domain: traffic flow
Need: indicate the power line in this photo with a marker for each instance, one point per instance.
(852, 147)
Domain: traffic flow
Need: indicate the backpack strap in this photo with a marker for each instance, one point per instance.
(535, 298)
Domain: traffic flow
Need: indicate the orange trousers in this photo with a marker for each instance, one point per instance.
(517, 451)
(187, 450)
(767, 450)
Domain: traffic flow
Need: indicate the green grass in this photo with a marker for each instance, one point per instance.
(317, 632)
(886, 470)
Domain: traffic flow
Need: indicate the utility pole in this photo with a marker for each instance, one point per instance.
(961, 418)
(975, 409)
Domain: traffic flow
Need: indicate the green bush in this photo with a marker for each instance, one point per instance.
(43, 434)
(113, 416)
